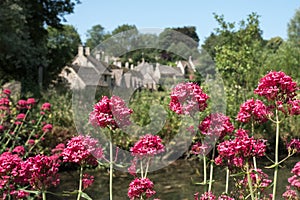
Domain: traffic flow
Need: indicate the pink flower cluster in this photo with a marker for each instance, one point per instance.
(42, 171)
(87, 180)
(259, 179)
(217, 125)
(277, 86)
(110, 112)
(295, 179)
(148, 145)
(82, 150)
(290, 194)
(188, 98)
(200, 149)
(39, 172)
(211, 196)
(254, 110)
(233, 152)
(294, 145)
(140, 187)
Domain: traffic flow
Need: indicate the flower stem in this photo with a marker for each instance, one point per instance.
(276, 156)
(147, 167)
(80, 183)
(249, 180)
(211, 170)
(110, 169)
(204, 173)
(44, 195)
(227, 180)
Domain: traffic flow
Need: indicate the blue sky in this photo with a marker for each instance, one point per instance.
(275, 14)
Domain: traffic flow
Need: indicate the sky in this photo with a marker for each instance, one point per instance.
(274, 14)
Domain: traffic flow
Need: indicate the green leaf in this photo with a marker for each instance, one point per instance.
(86, 196)
(238, 174)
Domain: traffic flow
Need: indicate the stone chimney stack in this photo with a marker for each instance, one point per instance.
(87, 51)
(98, 56)
(80, 50)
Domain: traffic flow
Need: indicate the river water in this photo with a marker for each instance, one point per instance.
(174, 182)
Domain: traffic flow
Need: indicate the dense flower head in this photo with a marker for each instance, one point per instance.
(11, 173)
(46, 107)
(47, 128)
(82, 150)
(254, 110)
(30, 102)
(22, 104)
(140, 187)
(188, 98)
(216, 124)
(43, 171)
(290, 194)
(6, 92)
(20, 150)
(294, 145)
(148, 145)
(4, 103)
(295, 179)
(110, 112)
(200, 149)
(87, 180)
(235, 151)
(277, 86)
(205, 196)
(294, 107)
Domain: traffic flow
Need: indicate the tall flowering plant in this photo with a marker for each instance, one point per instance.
(110, 113)
(143, 150)
(21, 125)
(84, 151)
(280, 92)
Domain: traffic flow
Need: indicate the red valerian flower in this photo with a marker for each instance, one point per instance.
(4, 104)
(295, 180)
(236, 151)
(294, 107)
(87, 180)
(82, 150)
(22, 104)
(187, 99)
(225, 197)
(46, 106)
(290, 194)
(140, 187)
(205, 196)
(294, 145)
(277, 86)
(47, 128)
(6, 92)
(43, 172)
(148, 145)
(216, 124)
(30, 102)
(20, 150)
(260, 180)
(254, 110)
(110, 112)
(199, 149)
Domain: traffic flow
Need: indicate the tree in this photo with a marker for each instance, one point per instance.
(123, 28)
(239, 58)
(294, 28)
(23, 37)
(95, 36)
(63, 42)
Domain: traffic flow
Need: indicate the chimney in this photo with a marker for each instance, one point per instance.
(87, 51)
(98, 55)
(80, 50)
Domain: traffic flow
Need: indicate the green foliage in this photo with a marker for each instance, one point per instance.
(95, 36)
(294, 28)
(23, 38)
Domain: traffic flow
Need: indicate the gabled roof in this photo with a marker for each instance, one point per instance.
(90, 76)
(100, 66)
(167, 70)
